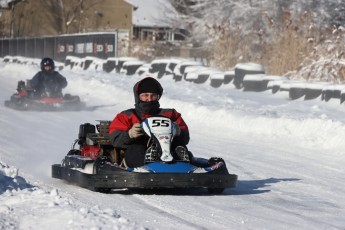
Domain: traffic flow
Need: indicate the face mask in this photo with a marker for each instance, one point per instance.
(150, 107)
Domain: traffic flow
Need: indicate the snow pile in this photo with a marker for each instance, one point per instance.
(9, 179)
(24, 206)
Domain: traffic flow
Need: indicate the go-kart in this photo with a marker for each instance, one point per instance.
(97, 165)
(26, 99)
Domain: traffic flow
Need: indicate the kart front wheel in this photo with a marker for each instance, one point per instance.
(215, 190)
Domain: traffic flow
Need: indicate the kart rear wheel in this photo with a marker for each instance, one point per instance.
(103, 190)
(215, 190)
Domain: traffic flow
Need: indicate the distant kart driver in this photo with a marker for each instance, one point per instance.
(48, 82)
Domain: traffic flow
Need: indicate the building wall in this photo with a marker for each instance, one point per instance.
(4, 22)
(53, 17)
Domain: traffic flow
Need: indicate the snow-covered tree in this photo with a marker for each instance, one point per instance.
(279, 34)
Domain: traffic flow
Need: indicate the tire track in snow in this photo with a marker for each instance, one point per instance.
(185, 224)
(289, 203)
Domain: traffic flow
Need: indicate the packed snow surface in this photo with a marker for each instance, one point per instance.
(289, 157)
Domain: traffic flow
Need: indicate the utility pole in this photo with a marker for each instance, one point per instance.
(1, 23)
(12, 19)
(14, 3)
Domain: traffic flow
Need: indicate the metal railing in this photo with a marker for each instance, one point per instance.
(101, 45)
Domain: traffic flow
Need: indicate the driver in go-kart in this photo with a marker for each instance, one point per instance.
(48, 82)
(126, 132)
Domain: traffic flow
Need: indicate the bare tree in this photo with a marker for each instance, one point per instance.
(73, 14)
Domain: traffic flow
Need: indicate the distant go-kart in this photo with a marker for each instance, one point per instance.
(97, 165)
(25, 99)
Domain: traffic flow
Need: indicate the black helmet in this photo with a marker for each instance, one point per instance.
(47, 62)
(146, 85)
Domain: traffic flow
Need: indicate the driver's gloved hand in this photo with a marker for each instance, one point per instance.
(136, 131)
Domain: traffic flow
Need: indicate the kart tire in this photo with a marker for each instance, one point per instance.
(102, 190)
(215, 190)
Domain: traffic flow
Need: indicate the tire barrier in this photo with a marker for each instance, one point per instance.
(243, 69)
(159, 66)
(217, 79)
(180, 68)
(297, 91)
(250, 78)
(228, 77)
(314, 90)
(332, 91)
(131, 67)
